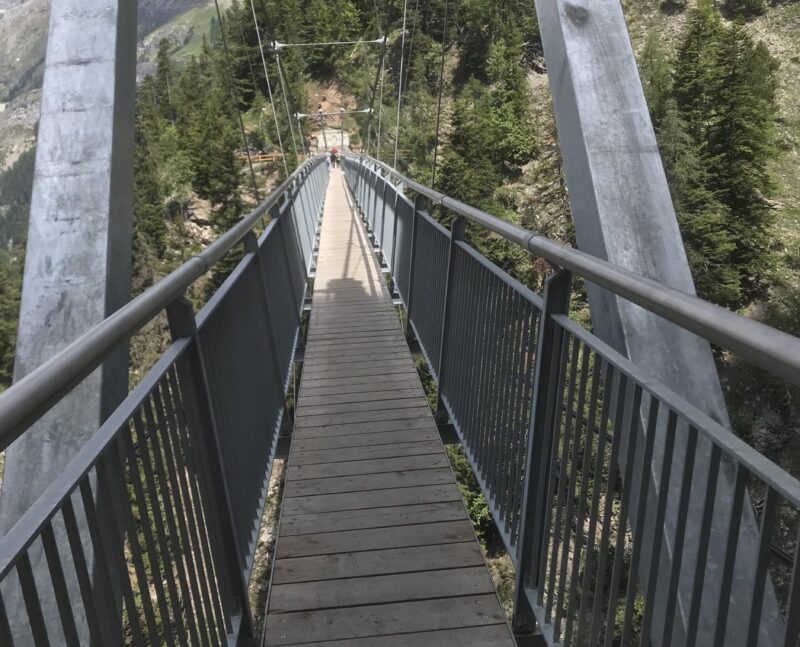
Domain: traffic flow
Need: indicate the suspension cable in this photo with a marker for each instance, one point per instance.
(380, 112)
(400, 88)
(439, 101)
(286, 103)
(411, 45)
(276, 45)
(235, 99)
(247, 55)
(303, 115)
(269, 87)
(368, 137)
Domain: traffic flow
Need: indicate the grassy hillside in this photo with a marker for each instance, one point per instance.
(196, 22)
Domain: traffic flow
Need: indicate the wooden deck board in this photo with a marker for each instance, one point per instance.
(319, 568)
(374, 545)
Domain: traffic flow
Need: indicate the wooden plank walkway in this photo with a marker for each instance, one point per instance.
(374, 544)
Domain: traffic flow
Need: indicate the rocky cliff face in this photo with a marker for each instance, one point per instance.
(23, 38)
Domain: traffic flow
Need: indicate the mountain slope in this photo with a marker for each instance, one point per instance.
(23, 42)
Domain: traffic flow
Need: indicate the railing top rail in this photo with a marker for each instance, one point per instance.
(759, 344)
(32, 396)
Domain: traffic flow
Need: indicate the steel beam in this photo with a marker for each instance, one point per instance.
(623, 213)
(78, 260)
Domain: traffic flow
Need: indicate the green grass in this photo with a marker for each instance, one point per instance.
(199, 19)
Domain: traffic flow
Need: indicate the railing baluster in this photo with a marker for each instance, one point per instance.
(392, 263)
(121, 505)
(5, 628)
(622, 520)
(172, 481)
(621, 386)
(200, 412)
(82, 573)
(768, 522)
(577, 436)
(793, 604)
(110, 611)
(534, 507)
(126, 447)
(658, 528)
(552, 522)
(181, 440)
(702, 549)
(641, 512)
(31, 596)
(59, 586)
(582, 499)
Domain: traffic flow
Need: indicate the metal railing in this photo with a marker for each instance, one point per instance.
(572, 444)
(158, 514)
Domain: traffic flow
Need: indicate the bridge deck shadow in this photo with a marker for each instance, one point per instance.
(374, 545)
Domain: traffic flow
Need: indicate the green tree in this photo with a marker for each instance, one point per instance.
(703, 219)
(148, 211)
(10, 282)
(468, 172)
(511, 124)
(163, 81)
(695, 72)
(213, 150)
(655, 69)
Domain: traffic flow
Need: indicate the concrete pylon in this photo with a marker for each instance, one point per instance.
(78, 260)
(623, 213)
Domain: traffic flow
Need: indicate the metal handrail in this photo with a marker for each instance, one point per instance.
(759, 344)
(32, 396)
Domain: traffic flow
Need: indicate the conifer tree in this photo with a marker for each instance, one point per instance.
(740, 145)
(148, 209)
(163, 81)
(703, 219)
(695, 70)
(468, 171)
(655, 69)
(9, 311)
(214, 145)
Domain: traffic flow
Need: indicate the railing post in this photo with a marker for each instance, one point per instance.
(202, 417)
(374, 200)
(419, 202)
(537, 469)
(275, 213)
(393, 264)
(457, 232)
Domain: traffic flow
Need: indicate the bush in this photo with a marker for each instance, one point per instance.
(745, 8)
